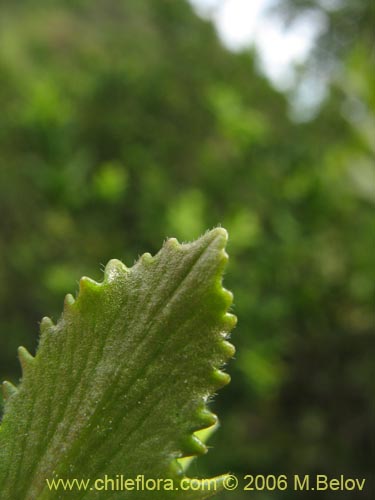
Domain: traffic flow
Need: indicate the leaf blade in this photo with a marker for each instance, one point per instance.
(139, 354)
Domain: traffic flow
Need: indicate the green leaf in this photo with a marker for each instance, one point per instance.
(120, 384)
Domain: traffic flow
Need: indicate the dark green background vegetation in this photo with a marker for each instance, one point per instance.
(124, 122)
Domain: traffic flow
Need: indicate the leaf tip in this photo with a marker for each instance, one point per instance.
(220, 232)
(216, 238)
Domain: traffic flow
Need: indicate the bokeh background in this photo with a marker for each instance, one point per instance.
(126, 121)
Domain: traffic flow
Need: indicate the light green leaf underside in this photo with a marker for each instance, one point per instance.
(120, 384)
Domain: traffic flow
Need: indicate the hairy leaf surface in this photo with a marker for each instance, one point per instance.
(120, 384)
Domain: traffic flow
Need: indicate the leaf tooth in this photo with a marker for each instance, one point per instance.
(205, 418)
(8, 390)
(26, 359)
(228, 349)
(69, 302)
(223, 261)
(219, 378)
(227, 297)
(175, 469)
(46, 324)
(146, 258)
(87, 286)
(193, 446)
(229, 321)
(113, 269)
(172, 243)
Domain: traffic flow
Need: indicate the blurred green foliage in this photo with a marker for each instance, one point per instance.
(124, 122)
